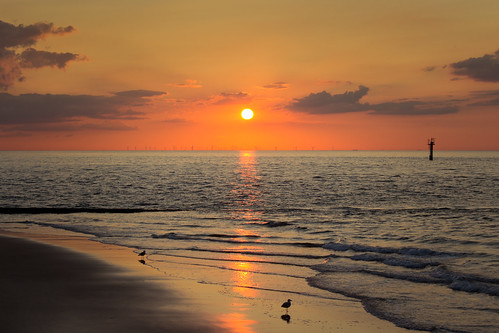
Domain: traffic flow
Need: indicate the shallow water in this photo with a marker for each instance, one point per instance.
(416, 240)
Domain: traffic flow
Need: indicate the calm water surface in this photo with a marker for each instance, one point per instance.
(416, 241)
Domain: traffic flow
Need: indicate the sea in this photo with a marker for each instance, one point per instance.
(415, 241)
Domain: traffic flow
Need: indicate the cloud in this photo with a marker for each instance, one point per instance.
(38, 108)
(413, 108)
(490, 102)
(139, 93)
(238, 95)
(485, 93)
(14, 135)
(228, 98)
(325, 103)
(175, 121)
(31, 58)
(14, 37)
(10, 70)
(485, 98)
(485, 68)
(276, 85)
(68, 127)
(429, 69)
(188, 84)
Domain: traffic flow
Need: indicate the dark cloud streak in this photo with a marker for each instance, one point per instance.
(485, 68)
(325, 103)
(413, 108)
(31, 58)
(66, 127)
(139, 93)
(37, 108)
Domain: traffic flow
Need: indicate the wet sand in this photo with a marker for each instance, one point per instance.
(67, 283)
(46, 288)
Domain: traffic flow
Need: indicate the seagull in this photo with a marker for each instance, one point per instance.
(142, 254)
(286, 305)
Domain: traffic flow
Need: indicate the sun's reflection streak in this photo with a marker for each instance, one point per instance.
(237, 322)
(243, 276)
(247, 192)
(247, 196)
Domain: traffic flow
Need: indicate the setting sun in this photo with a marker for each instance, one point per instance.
(247, 114)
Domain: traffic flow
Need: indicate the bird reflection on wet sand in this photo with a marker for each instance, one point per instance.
(286, 318)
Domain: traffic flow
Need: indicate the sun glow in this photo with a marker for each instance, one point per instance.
(247, 114)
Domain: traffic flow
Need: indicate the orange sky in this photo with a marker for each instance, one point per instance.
(369, 75)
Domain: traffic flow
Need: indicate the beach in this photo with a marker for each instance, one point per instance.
(64, 282)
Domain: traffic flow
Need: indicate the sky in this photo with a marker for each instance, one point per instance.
(176, 74)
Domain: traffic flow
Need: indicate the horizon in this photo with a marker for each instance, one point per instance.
(249, 150)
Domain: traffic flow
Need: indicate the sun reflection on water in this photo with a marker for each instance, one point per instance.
(243, 276)
(237, 322)
(247, 195)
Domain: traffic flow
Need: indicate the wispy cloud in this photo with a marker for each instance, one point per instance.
(13, 37)
(139, 93)
(276, 85)
(485, 68)
(414, 108)
(485, 98)
(188, 84)
(175, 121)
(429, 69)
(229, 98)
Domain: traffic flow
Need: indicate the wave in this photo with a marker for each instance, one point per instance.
(439, 275)
(260, 253)
(270, 224)
(475, 287)
(71, 210)
(410, 251)
(391, 261)
(232, 239)
(259, 261)
(387, 299)
(276, 274)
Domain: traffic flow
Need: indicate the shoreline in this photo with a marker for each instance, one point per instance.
(175, 293)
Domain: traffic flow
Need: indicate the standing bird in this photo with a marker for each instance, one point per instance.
(142, 254)
(286, 305)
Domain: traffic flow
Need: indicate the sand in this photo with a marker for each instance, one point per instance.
(64, 282)
(51, 289)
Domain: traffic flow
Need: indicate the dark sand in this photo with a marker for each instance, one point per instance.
(45, 288)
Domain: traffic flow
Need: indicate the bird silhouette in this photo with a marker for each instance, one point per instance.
(286, 305)
(142, 254)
